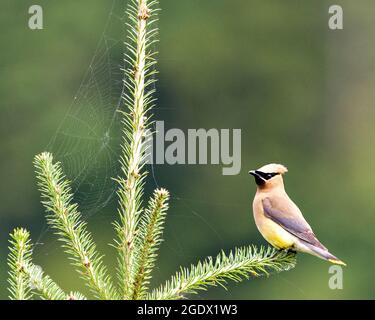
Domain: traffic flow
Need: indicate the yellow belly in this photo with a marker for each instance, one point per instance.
(274, 234)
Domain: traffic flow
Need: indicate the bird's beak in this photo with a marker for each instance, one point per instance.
(256, 175)
(258, 178)
(253, 173)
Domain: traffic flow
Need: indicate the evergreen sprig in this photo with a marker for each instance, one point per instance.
(43, 285)
(65, 219)
(239, 264)
(138, 230)
(138, 98)
(151, 230)
(27, 279)
(18, 260)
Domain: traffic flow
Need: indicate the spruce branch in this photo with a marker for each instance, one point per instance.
(18, 259)
(64, 217)
(46, 288)
(138, 100)
(29, 277)
(151, 230)
(240, 263)
(43, 285)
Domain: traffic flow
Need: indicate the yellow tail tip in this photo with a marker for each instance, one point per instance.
(342, 263)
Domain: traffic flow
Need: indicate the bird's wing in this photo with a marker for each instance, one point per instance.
(282, 212)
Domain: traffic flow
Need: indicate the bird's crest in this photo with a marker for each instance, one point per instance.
(273, 168)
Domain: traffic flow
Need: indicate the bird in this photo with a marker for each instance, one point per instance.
(278, 218)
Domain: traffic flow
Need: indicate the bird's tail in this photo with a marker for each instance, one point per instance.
(324, 254)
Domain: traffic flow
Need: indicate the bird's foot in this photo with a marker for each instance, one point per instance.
(288, 250)
(291, 250)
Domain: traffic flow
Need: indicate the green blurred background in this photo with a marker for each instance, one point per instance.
(301, 93)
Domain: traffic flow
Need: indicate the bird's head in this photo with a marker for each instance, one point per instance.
(269, 176)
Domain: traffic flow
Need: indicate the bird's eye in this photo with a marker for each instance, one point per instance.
(265, 175)
(271, 175)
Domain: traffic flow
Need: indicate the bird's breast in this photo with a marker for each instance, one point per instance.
(271, 231)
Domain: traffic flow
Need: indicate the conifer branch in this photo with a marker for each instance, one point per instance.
(242, 263)
(43, 285)
(46, 288)
(151, 230)
(138, 100)
(64, 217)
(18, 259)
(27, 274)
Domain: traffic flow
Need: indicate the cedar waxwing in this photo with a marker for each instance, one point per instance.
(278, 218)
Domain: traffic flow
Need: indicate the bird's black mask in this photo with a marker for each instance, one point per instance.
(262, 177)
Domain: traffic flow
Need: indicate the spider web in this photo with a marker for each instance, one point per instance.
(87, 141)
